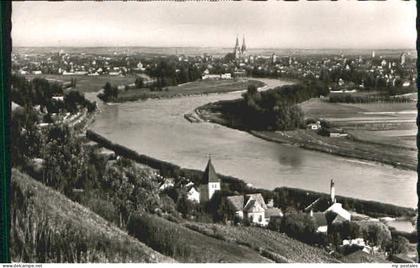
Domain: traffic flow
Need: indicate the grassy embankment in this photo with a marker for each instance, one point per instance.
(370, 137)
(191, 88)
(95, 83)
(48, 227)
(85, 83)
(186, 245)
(274, 245)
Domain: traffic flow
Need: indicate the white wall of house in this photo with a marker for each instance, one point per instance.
(257, 218)
(193, 195)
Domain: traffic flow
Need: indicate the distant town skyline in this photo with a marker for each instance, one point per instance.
(280, 25)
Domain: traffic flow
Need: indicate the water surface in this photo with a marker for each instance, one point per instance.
(157, 128)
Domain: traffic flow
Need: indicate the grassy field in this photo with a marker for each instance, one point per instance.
(48, 227)
(269, 243)
(378, 123)
(89, 83)
(192, 88)
(186, 245)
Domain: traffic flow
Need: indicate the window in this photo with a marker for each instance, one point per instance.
(260, 218)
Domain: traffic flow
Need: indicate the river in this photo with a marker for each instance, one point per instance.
(157, 128)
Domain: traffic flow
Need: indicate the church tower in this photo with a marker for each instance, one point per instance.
(211, 183)
(243, 49)
(332, 191)
(237, 49)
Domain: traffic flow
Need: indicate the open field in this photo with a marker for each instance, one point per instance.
(278, 246)
(191, 88)
(89, 83)
(48, 227)
(379, 123)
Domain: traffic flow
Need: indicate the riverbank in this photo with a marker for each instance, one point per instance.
(296, 196)
(199, 87)
(350, 147)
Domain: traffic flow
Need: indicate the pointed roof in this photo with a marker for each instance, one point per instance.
(243, 44)
(210, 173)
(236, 201)
(237, 42)
(250, 199)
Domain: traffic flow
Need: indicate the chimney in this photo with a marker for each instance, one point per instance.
(332, 191)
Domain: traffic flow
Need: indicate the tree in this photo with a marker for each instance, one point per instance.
(185, 206)
(399, 244)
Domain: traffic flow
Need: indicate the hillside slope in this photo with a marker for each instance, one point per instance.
(276, 246)
(48, 227)
(185, 245)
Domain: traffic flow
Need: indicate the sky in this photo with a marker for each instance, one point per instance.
(298, 25)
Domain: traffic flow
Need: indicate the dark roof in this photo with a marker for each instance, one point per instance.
(236, 201)
(210, 174)
(273, 212)
(320, 204)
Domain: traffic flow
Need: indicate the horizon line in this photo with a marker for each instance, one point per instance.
(215, 47)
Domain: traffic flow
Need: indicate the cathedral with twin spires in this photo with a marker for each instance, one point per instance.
(239, 52)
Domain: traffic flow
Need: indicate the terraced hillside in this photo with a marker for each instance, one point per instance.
(48, 227)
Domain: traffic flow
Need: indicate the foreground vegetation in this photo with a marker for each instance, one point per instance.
(274, 245)
(48, 227)
(186, 245)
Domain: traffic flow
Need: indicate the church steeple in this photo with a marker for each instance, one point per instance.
(243, 49)
(237, 42)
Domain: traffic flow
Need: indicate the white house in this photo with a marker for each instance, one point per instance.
(193, 195)
(254, 208)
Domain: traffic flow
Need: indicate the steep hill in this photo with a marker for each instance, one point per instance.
(48, 227)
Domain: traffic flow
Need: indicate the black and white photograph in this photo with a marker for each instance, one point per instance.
(213, 132)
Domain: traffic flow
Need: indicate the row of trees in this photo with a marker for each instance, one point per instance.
(170, 72)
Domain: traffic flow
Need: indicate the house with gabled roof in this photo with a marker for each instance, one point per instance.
(253, 208)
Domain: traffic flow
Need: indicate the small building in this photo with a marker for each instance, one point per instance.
(253, 208)
(167, 183)
(314, 126)
(193, 195)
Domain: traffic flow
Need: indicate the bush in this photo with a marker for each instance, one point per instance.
(300, 226)
(398, 245)
(376, 233)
